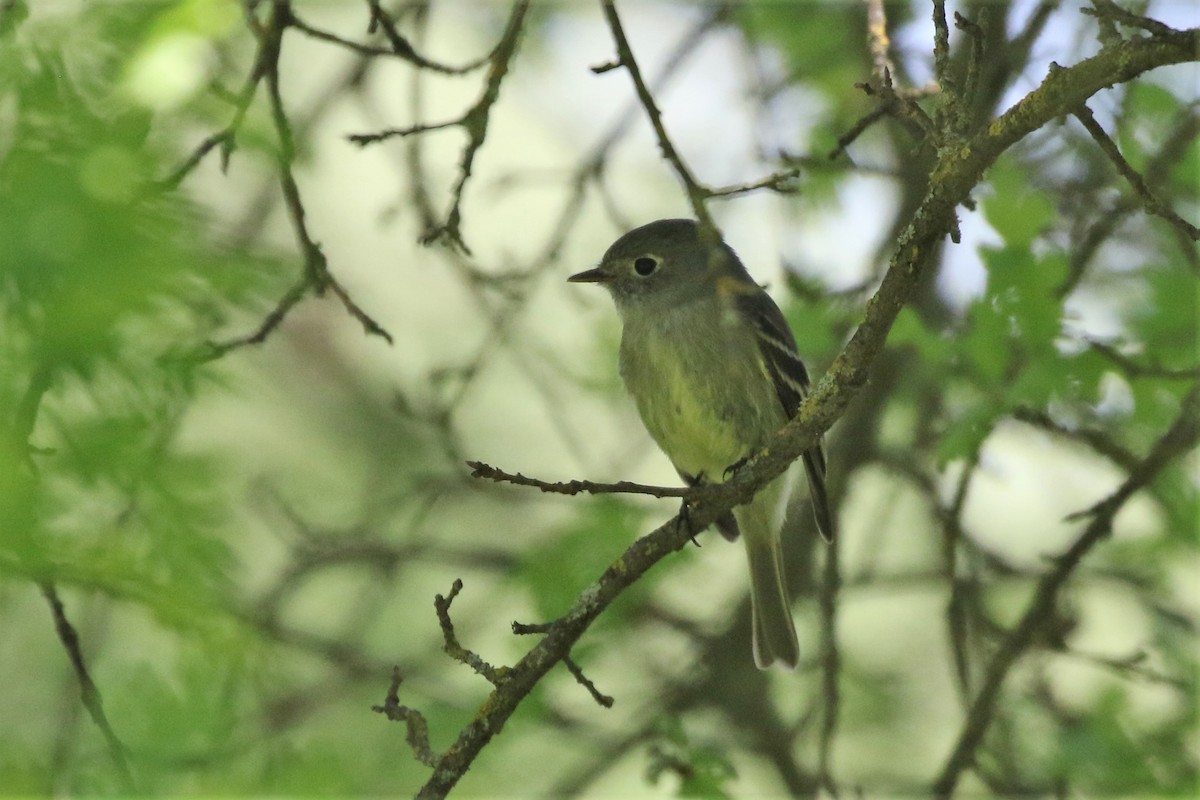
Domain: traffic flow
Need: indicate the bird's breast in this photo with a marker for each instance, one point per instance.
(700, 389)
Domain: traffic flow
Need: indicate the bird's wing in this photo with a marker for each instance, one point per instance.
(777, 347)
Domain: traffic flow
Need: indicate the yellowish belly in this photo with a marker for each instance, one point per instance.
(707, 405)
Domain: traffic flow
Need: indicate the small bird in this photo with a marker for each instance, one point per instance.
(712, 366)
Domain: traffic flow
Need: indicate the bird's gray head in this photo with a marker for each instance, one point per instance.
(667, 262)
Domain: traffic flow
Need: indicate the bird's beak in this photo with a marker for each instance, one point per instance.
(597, 275)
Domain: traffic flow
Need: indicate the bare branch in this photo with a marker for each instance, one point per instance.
(402, 48)
(878, 43)
(87, 688)
(975, 59)
(316, 269)
(831, 663)
(1151, 203)
(494, 675)
(783, 182)
(1136, 369)
(696, 193)
(941, 50)
(522, 628)
(1096, 440)
(482, 470)
(1108, 10)
(227, 137)
(474, 121)
(294, 294)
(326, 36)
(857, 129)
(418, 728)
(362, 139)
(585, 682)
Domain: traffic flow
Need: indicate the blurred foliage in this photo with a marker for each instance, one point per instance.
(700, 771)
(240, 625)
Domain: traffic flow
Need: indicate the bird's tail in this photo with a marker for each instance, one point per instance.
(774, 631)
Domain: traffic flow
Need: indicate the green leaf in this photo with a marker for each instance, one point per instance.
(1018, 213)
(702, 771)
(966, 432)
(1166, 322)
(936, 351)
(1101, 753)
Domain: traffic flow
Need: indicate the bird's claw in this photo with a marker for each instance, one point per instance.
(735, 466)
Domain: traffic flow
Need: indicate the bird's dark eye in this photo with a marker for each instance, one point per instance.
(644, 265)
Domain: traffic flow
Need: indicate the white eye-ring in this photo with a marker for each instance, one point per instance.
(645, 265)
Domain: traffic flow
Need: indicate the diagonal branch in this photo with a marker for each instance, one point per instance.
(227, 136)
(1149, 201)
(87, 687)
(696, 193)
(958, 169)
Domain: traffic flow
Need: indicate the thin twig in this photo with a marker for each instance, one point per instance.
(956, 611)
(87, 688)
(586, 683)
(451, 645)
(695, 192)
(362, 139)
(1149, 201)
(294, 294)
(1097, 440)
(221, 137)
(782, 182)
(398, 45)
(857, 129)
(1132, 665)
(403, 48)
(326, 36)
(522, 628)
(975, 57)
(482, 470)
(476, 124)
(227, 137)
(831, 663)
(474, 121)
(1108, 220)
(417, 727)
(1136, 369)
(19, 433)
(900, 103)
